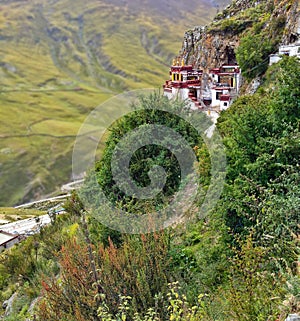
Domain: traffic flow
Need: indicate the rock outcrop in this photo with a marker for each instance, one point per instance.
(214, 45)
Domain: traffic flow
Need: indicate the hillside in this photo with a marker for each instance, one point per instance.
(232, 256)
(246, 32)
(61, 59)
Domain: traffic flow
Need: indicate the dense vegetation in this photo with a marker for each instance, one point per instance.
(154, 112)
(239, 263)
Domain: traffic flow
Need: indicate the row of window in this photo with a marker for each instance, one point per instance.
(179, 77)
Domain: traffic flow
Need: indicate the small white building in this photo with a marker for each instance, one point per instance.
(226, 83)
(7, 240)
(227, 74)
(217, 91)
(274, 58)
(292, 50)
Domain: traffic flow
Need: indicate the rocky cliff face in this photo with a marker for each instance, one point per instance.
(208, 49)
(215, 44)
(292, 27)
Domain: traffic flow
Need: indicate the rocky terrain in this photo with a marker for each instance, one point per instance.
(216, 44)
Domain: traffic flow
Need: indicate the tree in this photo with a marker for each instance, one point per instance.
(150, 156)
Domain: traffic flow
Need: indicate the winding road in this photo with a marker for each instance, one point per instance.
(26, 227)
(33, 225)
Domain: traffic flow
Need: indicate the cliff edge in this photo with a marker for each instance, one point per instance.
(246, 32)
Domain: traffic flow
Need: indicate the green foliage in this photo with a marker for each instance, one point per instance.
(234, 26)
(286, 92)
(254, 293)
(200, 261)
(259, 41)
(235, 21)
(21, 261)
(253, 54)
(261, 198)
(100, 233)
(176, 304)
(145, 158)
(262, 194)
(74, 206)
(204, 165)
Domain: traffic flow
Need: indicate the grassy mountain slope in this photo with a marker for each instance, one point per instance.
(59, 60)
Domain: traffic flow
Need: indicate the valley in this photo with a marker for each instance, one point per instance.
(61, 59)
(181, 219)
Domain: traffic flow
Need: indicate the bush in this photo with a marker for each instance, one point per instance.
(253, 54)
(138, 268)
(176, 304)
(147, 157)
(254, 292)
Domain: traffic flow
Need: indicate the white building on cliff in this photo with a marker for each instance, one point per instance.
(184, 83)
(292, 50)
(217, 89)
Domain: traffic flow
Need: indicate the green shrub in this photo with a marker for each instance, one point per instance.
(176, 304)
(253, 54)
(254, 292)
(149, 156)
